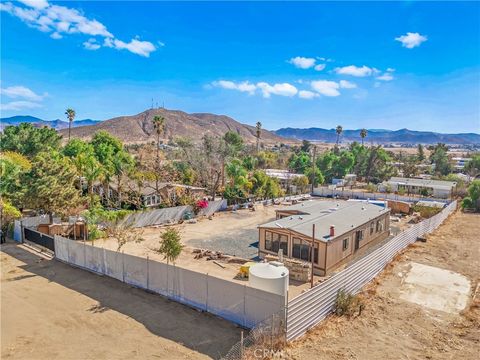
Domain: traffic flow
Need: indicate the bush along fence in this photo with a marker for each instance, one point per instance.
(364, 195)
(311, 307)
(236, 302)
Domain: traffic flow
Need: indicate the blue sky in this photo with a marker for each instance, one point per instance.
(316, 64)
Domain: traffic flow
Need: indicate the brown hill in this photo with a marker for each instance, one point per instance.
(138, 128)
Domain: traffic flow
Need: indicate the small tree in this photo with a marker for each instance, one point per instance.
(472, 201)
(258, 133)
(170, 245)
(338, 131)
(363, 134)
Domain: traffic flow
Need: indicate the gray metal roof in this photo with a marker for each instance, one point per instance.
(345, 216)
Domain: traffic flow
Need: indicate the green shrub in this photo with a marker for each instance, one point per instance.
(347, 304)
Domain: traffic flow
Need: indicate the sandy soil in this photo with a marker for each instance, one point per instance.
(392, 328)
(50, 310)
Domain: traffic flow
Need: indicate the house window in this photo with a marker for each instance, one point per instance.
(302, 250)
(275, 242)
(379, 226)
(268, 240)
(359, 235)
(345, 244)
(372, 227)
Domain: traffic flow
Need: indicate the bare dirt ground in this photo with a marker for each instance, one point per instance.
(392, 328)
(50, 310)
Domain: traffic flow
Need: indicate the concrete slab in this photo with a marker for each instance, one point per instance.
(435, 288)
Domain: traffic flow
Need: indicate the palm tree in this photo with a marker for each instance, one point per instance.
(70, 116)
(258, 133)
(339, 131)
(159, 126)
(363, 134)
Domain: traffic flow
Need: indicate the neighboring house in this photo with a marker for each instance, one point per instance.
(146, 193)
(436, 188)
(341, 229)
(284, 177)
(460, 162)
(347, 180)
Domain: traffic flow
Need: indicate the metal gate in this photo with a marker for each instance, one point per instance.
(39, 238)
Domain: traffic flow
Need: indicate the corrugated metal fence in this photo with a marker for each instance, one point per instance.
(170, 215)
(350, 194)
(311, 307)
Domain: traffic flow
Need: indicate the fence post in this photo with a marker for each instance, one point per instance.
(123, 265)
(206, 300)
(241, 345)
(22, 231)
(148, 287)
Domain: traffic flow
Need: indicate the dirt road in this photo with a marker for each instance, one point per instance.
(393, 328)
(50, 310)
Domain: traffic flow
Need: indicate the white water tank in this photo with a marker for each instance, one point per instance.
(271, 277)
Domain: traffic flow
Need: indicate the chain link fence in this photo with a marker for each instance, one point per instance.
(264, 340)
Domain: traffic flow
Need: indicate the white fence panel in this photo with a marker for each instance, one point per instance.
(113, 261)
(76, 253)
(191, 288)
(61, 248)
(135, 270)
(94, 259)
(260, 304)
(227, 300)
(157, 277)
(309, 308)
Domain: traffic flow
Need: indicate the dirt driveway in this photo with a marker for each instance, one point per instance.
(50, 310)
(391, 327)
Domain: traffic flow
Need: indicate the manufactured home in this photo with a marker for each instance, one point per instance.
(341, 230)
(436, 188)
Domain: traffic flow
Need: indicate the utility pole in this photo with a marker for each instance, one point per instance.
(313, 165)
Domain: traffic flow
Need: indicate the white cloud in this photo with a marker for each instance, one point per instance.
(142, 48)
(61, 20)
(305, 94)
(411, 40)
(356, 71)
(244, 86)
(20, 105)
(302, 62)
(326, 87)
(56, 36)
(91, 44)
(320, 67)
(283, 89)
(38, 4)
(22, 92)
(385, 77)
(347, 84)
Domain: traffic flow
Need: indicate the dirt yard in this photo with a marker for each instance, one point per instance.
(50, 310)
(398, 323)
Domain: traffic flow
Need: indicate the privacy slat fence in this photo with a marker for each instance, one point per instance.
(39, 238)
(311, 307)
(230, 300)
(326, 192)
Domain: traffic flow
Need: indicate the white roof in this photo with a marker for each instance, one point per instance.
(434, 184)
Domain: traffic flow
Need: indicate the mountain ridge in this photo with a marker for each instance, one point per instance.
(56, 124)
(379, 136)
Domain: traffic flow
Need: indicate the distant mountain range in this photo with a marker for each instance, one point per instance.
(139, 128)
(56, 124)
(403, 136)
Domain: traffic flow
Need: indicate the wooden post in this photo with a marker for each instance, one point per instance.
(312, 247)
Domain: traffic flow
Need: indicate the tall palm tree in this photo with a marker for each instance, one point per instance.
(363, 134)
(70, 116)
(258, 133)
(159, 126)
(339, 131)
